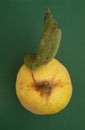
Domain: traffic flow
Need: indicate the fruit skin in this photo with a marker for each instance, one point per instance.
(41, 102)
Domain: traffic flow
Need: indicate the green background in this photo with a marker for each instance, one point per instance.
(21, 23)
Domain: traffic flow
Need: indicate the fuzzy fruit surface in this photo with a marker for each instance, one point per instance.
(46, 90)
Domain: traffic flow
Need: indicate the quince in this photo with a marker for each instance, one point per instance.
(46, 90)
(43, 84)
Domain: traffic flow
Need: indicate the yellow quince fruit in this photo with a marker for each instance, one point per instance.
(46, 90)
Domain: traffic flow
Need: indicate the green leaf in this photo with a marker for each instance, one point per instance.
(29, 59)
(49, 42)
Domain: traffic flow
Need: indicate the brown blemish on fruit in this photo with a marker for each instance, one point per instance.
(21, 85)
(44, 87)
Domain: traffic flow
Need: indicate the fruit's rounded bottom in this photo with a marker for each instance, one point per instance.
(38, 100)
